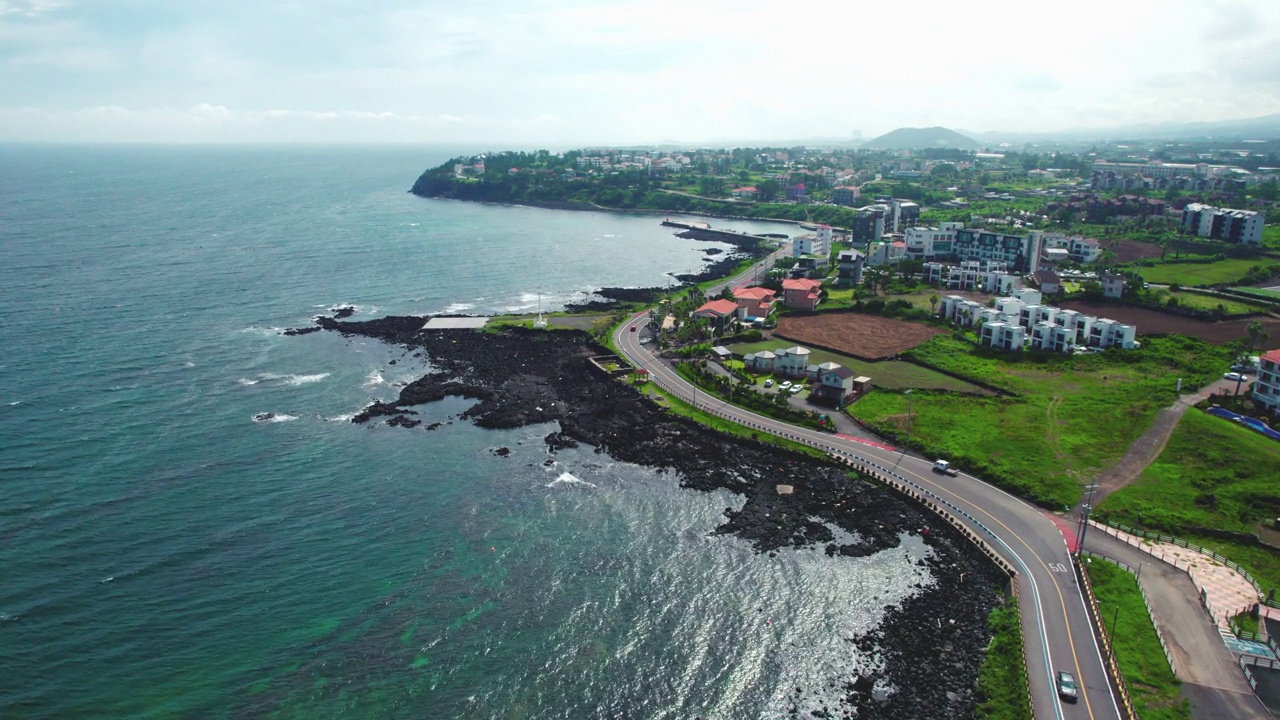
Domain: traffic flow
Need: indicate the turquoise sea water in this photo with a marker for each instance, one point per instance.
(163, 555)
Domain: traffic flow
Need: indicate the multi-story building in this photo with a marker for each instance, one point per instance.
(951, 241)
(801, 293)
(754, 302)
(1238, 226)
(816, 243)
(1266, 389)
(1003, 335)
(1020, 252)
(972, 275)
(926, 243)
(1052, 337)
(872, 223)
(845, 195)
(1112, 284)
(792, 361)
(1107, 333)
(849, 268)
(1043, 327)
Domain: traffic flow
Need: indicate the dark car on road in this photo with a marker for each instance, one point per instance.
(1067, 687)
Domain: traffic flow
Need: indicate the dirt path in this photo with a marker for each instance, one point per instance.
(1151, 443)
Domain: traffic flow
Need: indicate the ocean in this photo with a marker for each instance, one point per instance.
(164, 554)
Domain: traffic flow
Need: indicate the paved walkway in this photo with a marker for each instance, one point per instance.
(1226, 591)
(1211, 679)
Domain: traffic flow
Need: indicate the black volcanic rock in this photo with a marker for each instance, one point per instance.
(930, 646)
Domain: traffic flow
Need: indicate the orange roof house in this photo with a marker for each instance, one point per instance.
(755, 301)
(717, 309)
(801, 293)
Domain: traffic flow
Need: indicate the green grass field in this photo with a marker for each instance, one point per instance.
(1209, 302)
(1072, 418)
(891, 374)
(1214, 474)
(679, 407)
(1264, 294)
(1152, 685)
(1002, 684)
(1215, 273)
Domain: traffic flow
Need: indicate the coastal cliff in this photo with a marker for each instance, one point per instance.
(544, 179)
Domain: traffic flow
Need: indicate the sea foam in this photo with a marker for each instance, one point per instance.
(569, 479)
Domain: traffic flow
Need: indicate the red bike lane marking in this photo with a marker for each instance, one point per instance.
(864, 441)
(1068, 531)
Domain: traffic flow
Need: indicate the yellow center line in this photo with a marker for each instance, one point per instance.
(1075, 660)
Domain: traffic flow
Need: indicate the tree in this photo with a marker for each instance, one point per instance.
(1257, 335)
(767, 190)
(933, 302)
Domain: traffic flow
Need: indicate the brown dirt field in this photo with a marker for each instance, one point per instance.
(1150, 322)
(1130, 250)
(869, 337)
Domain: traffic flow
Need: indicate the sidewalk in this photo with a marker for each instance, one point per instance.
(1225, 591)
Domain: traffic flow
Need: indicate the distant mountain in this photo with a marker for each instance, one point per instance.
(920, 138)
(1266, 127)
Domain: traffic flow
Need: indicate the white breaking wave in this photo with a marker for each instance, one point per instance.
(269, 417)
(458, 308)
(265, 331)
(374, 379)
(293, 380)
(340, 418)
(568, 479)
(296, 380)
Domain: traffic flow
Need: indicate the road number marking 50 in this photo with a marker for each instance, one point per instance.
(1057, 567)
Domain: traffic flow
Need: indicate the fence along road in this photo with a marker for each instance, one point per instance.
(1055, 624)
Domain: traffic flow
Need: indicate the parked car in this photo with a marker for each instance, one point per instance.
(796, 388)
(785, 384)
(1234, 377)
(768, 382)
(1067, 687)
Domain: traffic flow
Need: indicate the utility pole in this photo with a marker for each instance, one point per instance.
(1083, 526)
(906, 392)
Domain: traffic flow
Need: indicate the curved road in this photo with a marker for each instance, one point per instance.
(1056, 626)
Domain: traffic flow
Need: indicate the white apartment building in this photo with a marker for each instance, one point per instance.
(817, 243)
(1107, 333)
(1003, 335)
(1266, 389)
(929, 242)
(1238, 226)
(1043, 327)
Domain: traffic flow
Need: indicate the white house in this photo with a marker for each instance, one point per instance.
(759, 361)
(1003, 335)
(1107, 333)
(792, 361)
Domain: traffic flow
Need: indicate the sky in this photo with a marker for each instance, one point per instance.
(566, 73)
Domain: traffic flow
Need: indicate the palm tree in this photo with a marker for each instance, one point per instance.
(933, 302)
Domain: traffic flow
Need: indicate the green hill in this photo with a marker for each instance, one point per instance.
(920, 138)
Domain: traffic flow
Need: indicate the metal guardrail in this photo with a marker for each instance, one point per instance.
(1160, 635)
(930, 500)
(1100, 628)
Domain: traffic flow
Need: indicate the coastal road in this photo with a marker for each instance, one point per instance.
(1056, 627)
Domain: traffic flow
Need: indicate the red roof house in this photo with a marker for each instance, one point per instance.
(717, 309)
(755, 301)
(801, 293)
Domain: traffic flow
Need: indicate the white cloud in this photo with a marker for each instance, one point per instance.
(629, 70)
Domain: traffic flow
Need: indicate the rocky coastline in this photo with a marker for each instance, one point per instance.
(931, 646)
